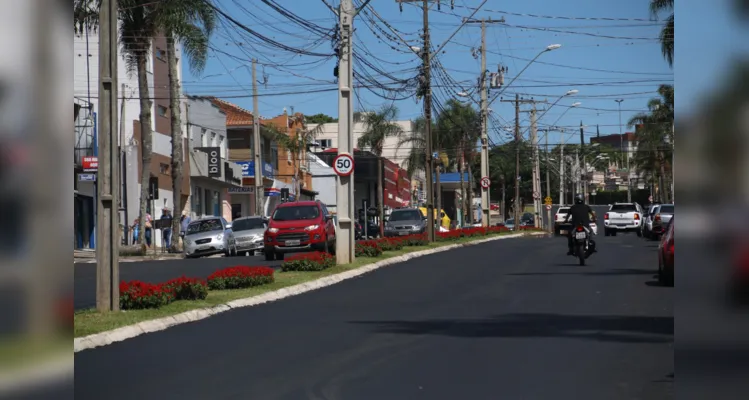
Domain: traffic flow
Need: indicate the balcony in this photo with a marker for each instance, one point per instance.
(220, 170)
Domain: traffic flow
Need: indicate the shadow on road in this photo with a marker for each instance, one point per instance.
(624, 329)
(607, 272)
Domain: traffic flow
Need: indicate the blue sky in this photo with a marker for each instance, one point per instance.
(604, 59)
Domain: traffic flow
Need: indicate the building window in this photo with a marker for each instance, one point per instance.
(326, 143)
(164, 169)
(160, 54)
(213, 139)
(221, 146)
(161, 110)
(197, 201)
(203, 137)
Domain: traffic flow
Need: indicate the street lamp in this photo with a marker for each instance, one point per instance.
(621, 147)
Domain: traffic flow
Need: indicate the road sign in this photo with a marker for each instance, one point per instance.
(343, 165)
(90, 163)
(547, 200)
(87, 177)
(536, 195)
(548, 206)
(485, 182)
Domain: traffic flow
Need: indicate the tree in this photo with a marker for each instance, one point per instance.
(653, 134)
(190, 22)
(459, 126)
(138, 25)
(378, 126)
(296, 146)
(320, 119)
(667, 32)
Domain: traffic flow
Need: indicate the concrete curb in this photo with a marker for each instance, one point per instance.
(131, 331)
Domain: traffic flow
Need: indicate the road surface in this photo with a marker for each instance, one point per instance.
(157, 271)
(511, 319)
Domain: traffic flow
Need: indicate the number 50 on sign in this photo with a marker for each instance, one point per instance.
(343, 165)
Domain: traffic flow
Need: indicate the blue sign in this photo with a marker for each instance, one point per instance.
(87, 177)
(248, 169)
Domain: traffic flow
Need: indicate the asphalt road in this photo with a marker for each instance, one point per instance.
(157, 271)
(513, 319)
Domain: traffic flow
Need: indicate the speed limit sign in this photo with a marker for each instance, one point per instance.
(485, 182)
(343, 165)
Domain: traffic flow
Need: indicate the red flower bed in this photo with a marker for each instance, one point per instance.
(239, 277)
(368, 248)
(474, 231)
(185, 288)
(391, 243)
(448, 236)
(135, 295)
(316, 261)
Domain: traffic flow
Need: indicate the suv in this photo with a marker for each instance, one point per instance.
(299, 226)
(405, 221)
(209, 235)
(559, 217)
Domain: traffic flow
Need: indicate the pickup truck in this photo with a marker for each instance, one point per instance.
(623, 217)
(559, 217)
(661, 218)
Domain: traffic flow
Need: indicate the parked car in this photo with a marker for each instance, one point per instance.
(623, 217)
(208, 236)
(405, 221)
(662, 216)
(666, 256)
(647, 219)
(510, 224)
(559, 217)
(298, 227)
(248, 233)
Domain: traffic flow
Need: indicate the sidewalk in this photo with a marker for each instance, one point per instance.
(89, 256)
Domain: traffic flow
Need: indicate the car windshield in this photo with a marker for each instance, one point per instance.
(295, 213)
(408, 215)
(247, 224)
(510, 222)
(666, 209)
(563, 211)
(206, 225)
(623, 208)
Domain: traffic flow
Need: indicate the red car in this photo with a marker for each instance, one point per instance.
(297, 227)
(666, 256)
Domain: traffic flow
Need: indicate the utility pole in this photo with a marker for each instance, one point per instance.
(562, 197)
(485, 206)
(583, 169)
(107, 213)
(345, 184)
(549, 224)
(516, 214)
(257, 147)
(536, 169)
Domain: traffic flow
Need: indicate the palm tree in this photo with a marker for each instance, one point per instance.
(190, 22)
(296, 147)
(667, 33)
(378, 126)
(138, 26)
(653, 135)
(460, 129)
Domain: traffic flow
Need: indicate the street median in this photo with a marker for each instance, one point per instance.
(151, 307)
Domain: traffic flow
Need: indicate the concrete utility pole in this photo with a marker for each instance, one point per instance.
(485, 206)
(345, 184)
(621, 146)
(583, 172)
(562, 198)
(257, 147)
(107, 214)
(549, 224)
(536, 169)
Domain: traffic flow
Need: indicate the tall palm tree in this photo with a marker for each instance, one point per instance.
(190, 22)
(138, 26)
(460, 126)
(378, 126)
(667, 32)
(653, 135)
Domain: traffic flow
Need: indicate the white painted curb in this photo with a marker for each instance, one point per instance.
(160, 324)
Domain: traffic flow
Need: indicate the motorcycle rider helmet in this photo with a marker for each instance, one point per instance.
(579, 199)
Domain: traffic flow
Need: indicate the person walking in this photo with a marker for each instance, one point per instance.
(166, 231)
(184, 221)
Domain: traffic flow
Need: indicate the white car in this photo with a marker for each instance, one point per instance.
(559, 217)
(623, 217)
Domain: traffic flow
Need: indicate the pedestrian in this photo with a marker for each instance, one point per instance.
(184, 221)
(136, 230)
(166, 231)
(149, 228)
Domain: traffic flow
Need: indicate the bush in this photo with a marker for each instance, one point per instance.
(390, 244)
(240, 277)
(474, 231)
(416, 240)
(184, 288)
(450, 236)
(368, 248)
(136, 295)
(316, 261)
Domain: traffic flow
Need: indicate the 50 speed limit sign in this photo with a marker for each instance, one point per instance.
(343, 165)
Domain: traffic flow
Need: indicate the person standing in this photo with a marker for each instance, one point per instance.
(166, 231)
(149, 228)
(184, 221)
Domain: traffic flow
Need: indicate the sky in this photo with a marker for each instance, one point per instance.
(609, 51)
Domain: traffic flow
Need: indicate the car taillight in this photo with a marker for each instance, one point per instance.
(657, 217)
(606, 216)
(637, 217)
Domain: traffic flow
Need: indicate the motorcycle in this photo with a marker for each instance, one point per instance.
(583, 245)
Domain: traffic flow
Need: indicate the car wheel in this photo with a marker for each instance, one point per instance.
(326, 246)
(613, 232)
(639, 233)
(269, 256)
(279, 256)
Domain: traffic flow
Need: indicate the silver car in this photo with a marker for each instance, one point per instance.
(248, 232)
(405, 221)
(209, 235)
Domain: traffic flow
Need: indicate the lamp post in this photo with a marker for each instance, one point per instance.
(621, 146)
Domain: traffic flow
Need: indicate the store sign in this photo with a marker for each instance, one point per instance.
(248, 169)
(242, 190)
(214, 160)
(90, 163)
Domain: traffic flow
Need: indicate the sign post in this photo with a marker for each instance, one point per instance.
(343, 164)
(549, 224)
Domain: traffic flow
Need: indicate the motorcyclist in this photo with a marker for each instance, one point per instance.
(580, 214)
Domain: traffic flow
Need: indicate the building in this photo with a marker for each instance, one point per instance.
(85, 87)
(324, 181)
(213, 179)
(279, 169)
